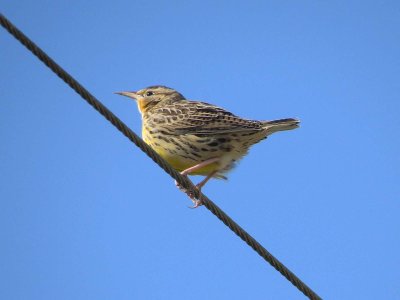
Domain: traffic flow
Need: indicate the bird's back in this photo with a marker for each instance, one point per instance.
(188, 132)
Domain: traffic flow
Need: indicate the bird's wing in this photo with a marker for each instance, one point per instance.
(200, 118)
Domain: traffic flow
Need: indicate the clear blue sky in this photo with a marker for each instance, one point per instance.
(86, 215)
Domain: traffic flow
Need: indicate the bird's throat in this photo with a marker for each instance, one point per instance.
(144, 105)
(141, 106)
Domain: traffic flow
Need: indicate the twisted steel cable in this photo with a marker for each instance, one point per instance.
(182, 180)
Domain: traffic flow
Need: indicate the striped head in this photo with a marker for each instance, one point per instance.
(149, 97)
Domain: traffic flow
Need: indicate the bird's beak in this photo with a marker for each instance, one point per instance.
(132, 95)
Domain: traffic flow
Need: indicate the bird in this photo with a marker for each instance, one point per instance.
(198, 138)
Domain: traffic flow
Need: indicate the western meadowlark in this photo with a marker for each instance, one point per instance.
(198, 138)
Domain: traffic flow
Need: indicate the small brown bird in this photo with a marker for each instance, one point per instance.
(198, 138)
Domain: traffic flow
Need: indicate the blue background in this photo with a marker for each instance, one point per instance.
(86, 215)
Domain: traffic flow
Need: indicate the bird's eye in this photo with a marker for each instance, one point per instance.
(149, 93)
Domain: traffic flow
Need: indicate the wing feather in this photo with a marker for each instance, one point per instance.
(200, 118)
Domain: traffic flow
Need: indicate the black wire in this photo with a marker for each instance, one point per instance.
(183, 181)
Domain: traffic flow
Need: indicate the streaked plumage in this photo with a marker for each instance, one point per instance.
(186, 133)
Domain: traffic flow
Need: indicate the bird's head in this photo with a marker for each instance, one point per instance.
(151, 96)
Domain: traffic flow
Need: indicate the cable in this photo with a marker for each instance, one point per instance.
(183, 181)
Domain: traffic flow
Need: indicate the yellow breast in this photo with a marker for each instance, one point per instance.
(176, 157)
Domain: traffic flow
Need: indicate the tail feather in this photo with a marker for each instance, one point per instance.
(280, 125)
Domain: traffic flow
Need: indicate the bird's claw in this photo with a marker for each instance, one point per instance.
(196, 202)
(181, 188)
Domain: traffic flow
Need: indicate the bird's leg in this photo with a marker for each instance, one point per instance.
(192, 169)
(197, 202)
(205, 180)
(207, 162)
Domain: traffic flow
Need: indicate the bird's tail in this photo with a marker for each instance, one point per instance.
(280, 125)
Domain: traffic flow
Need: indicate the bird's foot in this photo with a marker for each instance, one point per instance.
(196, 202)
(181, 188)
